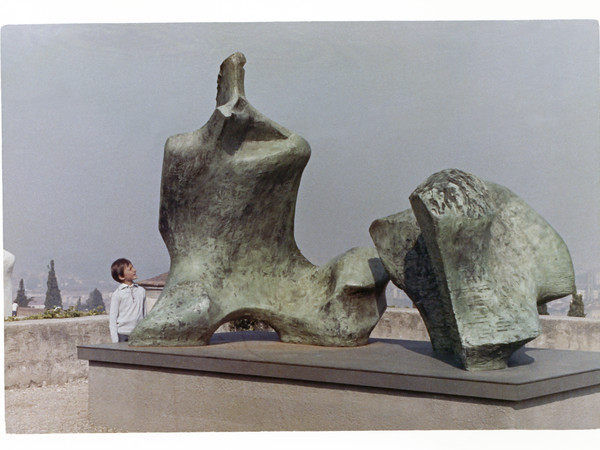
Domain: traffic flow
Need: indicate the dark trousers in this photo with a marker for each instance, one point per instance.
(123, 337)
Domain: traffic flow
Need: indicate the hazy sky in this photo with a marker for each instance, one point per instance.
(86, 110)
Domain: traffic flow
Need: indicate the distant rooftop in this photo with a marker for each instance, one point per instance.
(157, 282)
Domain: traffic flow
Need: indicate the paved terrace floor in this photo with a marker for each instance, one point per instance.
(49, 409)
(63, 409)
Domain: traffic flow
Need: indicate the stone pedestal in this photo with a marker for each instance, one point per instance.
(252, 382)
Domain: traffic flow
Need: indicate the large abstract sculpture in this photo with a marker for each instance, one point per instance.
(228, 200)
(476, 260)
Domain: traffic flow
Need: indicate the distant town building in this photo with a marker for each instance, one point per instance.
(153, 287)
(592, 288)
(588, 286)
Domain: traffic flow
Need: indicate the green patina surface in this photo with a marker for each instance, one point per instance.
(476, 260)
(228, 199)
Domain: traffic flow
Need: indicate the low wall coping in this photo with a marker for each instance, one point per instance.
(58, 322)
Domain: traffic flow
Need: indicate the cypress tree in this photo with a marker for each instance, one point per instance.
(79, 306)
(53, 297)
(22, 299)
(576, 306)
(543, 309)
(95, 300)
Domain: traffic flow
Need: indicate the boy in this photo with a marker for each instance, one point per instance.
(128, 302)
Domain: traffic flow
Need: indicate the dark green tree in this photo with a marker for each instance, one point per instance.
(79, 306)
(576, 306)
(543, 309)
(22, 299)
(95, 301)
(53, 297)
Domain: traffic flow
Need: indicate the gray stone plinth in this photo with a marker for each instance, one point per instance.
(251, 382)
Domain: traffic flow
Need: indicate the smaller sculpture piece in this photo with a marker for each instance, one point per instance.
(476, 260)
(228, 199)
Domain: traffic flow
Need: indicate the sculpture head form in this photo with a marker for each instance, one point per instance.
(230, 84)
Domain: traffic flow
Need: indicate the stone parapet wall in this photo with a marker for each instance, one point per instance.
(38, 352)
(401, 323)
(558, 332)
(568, 333)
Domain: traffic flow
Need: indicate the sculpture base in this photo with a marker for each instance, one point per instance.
(250, 381)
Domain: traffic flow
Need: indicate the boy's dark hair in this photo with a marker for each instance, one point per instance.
(117, 269)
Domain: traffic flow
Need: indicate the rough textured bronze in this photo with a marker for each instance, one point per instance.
(227, 217)
(476, 260)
